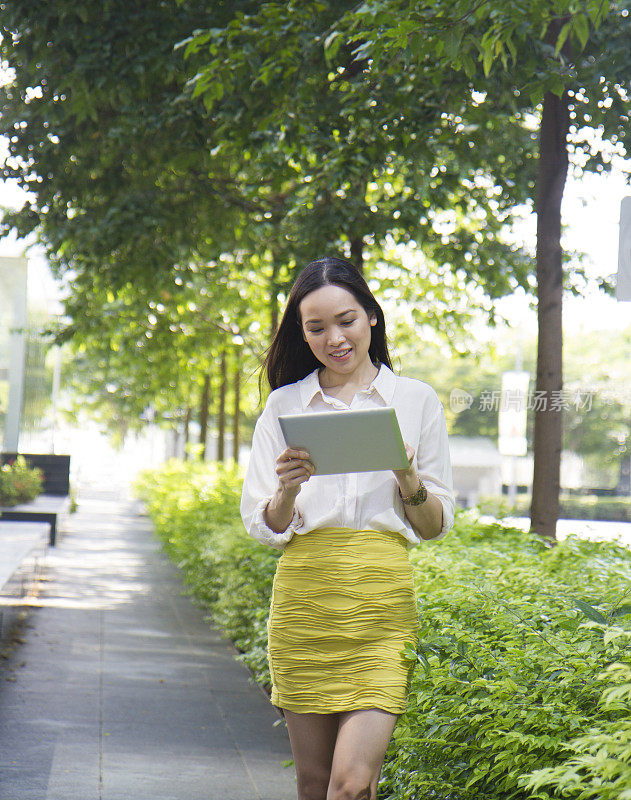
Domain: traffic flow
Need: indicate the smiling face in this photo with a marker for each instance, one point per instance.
(337, 329)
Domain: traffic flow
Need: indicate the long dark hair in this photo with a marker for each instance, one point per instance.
(289, 357)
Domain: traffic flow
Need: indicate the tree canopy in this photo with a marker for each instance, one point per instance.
(186, 161)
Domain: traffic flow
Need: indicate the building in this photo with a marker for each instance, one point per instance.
(477, 468)
(25, 382)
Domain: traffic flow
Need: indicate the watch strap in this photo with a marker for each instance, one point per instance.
(416, 499)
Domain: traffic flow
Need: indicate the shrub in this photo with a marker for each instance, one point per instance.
(599, 762)
(511, 662)
(521, 686)
(19, 483)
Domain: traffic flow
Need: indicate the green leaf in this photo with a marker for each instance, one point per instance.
(564, 33)
(487, 59)
(590, 612)
(510, 684)
(581, 28)
(422, 658)
(183, 42)
(452, 44)
(409, 653)
(615, 633)
(556, 85)
(363, 51)
(597, 11)
(332, 44)
(510, 44)
(468, 65)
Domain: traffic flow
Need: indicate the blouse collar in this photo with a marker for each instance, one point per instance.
(383, 383)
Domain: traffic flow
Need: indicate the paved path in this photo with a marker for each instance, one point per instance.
(121, 691)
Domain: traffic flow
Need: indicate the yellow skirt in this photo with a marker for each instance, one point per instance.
(343, 606)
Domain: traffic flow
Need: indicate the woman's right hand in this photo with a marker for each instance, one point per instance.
(293, 468)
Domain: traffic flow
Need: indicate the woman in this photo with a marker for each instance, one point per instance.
(343, 602)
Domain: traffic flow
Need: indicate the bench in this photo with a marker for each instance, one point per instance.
(22, 557)
(54, 503)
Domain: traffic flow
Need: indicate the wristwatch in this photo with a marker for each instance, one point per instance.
(416, 499)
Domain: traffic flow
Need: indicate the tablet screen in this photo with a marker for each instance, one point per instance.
(365, 440)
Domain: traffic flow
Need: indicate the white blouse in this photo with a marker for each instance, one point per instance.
(358, 500)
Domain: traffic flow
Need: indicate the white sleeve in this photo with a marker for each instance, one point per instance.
(434, 467)
(261, 481)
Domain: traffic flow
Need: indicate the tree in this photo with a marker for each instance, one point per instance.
(136, 187)
(571, 89)
(565, 61)
(137, 356)
(135, 212)
(322, 126)
(359, 159)
(120, 183)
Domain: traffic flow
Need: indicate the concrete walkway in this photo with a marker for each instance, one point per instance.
(121, 691)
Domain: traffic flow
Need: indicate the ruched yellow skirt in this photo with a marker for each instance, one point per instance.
(343, 606)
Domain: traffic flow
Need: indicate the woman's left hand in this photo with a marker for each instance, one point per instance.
(401, 474)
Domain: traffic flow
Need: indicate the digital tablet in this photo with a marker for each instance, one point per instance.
(365, 440)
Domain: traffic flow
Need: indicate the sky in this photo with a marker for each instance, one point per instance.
(591, 216)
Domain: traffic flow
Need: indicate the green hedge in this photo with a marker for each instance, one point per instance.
(19, 483)
(591, 507)
(522, 685)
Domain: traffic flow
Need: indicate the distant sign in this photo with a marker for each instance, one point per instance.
(623, 283)
(512, 414)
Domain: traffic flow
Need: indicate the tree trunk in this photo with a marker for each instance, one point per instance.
(624, 476)
(273, 300)
(357, 252)
(221, 416)
(237, 409)
(551, 177)
(203, 416)
(187, 425)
